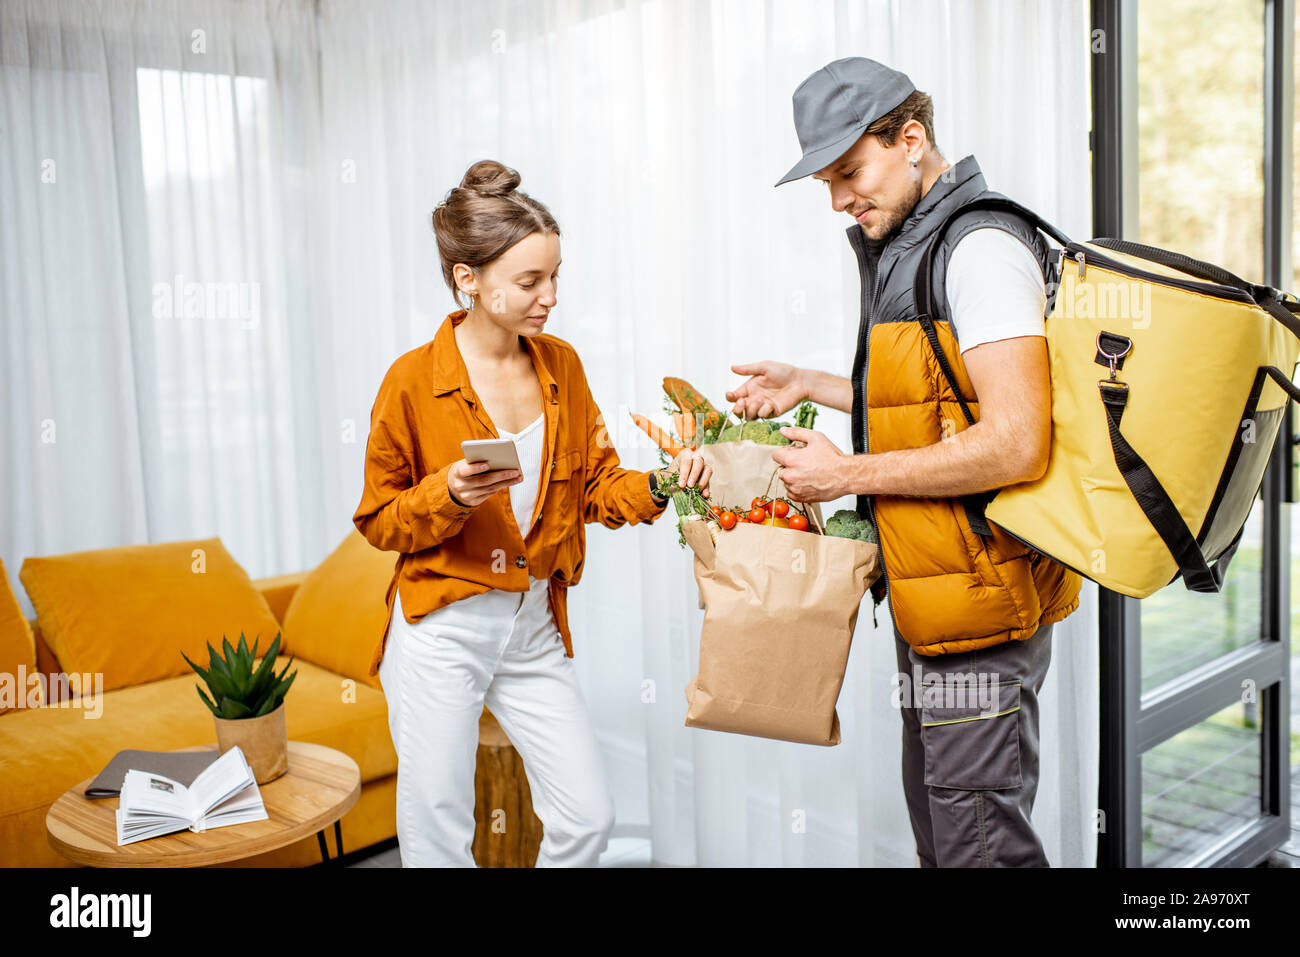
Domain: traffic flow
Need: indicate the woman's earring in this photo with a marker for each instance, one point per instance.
(913, 161)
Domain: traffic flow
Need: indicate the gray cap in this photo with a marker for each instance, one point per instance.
(834, 105)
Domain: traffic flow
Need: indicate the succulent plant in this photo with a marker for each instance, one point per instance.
(237, 690)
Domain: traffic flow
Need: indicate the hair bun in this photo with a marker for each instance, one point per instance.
(490, 178)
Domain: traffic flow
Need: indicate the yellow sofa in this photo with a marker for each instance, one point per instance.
(90, 608)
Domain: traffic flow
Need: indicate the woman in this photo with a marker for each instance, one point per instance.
(477, 602)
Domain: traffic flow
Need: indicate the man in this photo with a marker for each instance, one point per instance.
(972, 607)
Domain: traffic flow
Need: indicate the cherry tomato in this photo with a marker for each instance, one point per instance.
(717, 509)
(758, 502)
(780, 509)
(728, 520)
(767, 507)
(798, 523)
(757, 515)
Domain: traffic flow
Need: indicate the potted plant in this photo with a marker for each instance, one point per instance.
(248, 705)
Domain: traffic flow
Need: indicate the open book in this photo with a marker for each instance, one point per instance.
(225, 793)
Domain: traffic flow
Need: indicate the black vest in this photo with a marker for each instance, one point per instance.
(888, 267)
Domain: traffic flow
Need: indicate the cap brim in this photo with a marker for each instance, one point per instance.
(819, 158)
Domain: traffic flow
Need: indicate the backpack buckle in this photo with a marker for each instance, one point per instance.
(1109, 352)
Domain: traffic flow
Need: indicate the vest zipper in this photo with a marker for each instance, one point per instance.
(871, 499)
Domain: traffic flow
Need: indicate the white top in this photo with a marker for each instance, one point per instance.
(469, 613)
(523, 496)
(995, 289)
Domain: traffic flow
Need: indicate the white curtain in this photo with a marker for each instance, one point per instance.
(654, 130)
(161, 292)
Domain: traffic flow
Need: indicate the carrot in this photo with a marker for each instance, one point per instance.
(690, 400)
(685, 423)
(661, 438)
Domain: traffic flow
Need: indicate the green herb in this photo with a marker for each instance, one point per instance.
(686, 501)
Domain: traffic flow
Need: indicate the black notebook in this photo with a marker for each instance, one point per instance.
(181, 766)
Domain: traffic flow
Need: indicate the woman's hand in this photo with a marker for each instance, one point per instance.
(690, 468)
(471, 484)
(772, 389)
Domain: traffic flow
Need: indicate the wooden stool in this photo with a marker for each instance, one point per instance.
(506, 831)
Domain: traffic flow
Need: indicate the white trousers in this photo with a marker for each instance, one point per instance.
(501, 649)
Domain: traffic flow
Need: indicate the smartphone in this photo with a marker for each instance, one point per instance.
(497, 453)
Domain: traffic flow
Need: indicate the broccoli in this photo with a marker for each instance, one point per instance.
(759, 431)
(847, 523)
(775, 437)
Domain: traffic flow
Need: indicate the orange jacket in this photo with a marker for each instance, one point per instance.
(425, 408)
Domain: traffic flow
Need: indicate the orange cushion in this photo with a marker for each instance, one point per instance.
(339, 612)
(17, 651)
(129, 612)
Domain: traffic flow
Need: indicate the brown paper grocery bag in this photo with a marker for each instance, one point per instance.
(780, 608)
(743, 470)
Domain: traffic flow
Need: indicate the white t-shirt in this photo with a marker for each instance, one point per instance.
(995, 288)
(523, 497)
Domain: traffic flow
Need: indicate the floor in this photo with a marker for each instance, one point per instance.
(625, 850)
(630, 846)
(1288, 855)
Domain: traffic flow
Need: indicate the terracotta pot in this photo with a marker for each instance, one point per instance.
(263, 741)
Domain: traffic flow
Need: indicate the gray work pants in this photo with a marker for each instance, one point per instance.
(970, 752)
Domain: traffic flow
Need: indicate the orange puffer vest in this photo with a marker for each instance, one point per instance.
(955, 583)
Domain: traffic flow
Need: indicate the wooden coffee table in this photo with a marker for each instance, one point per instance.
(321, 785)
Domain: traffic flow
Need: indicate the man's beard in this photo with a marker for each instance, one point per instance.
(888, 220)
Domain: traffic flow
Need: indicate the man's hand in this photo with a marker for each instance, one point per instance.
(817, 472)
(772, 389)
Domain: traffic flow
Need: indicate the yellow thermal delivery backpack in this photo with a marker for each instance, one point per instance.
(1170, 381)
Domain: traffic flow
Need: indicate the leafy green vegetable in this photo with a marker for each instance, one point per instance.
(847, 523)
(687, 501)
(760, 431)
(805, 415)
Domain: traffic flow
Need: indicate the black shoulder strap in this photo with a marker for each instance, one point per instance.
(1198, 575)
(923, 288)
(923, 303)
